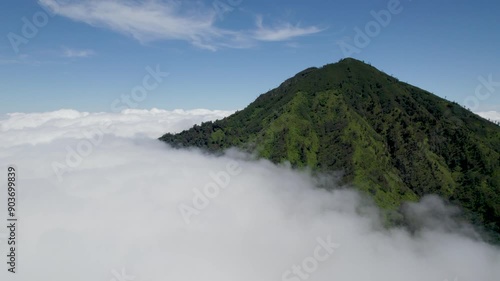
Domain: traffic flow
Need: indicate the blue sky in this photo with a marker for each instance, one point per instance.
(222, 54)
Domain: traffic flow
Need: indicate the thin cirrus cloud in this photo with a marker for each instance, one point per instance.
(172, 20)
(75, 53)
(20, 59)
(283, 32)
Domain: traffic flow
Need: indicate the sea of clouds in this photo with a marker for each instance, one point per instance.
(490, 115)
(99, 198)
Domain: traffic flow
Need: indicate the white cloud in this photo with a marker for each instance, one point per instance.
(283, 32)
(74, 53)
(490, 115)
(168, 20)
(10, 61)
(118, 210)
(21, 59)
(35, 128)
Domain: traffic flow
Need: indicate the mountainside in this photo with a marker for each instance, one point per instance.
(392, 140)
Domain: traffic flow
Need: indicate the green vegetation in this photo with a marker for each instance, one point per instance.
(392, 140)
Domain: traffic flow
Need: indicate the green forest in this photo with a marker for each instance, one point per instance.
(391, 140)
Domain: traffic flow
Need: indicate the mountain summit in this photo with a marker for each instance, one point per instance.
(392, 140)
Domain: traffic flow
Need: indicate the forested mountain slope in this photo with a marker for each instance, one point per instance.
(392, 140)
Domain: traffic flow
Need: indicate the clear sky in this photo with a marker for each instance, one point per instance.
(222, 54)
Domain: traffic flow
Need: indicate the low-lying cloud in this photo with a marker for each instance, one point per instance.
(34, 128)
(117, 216)
(490, 115)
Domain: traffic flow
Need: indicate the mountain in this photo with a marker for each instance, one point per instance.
(390, 139)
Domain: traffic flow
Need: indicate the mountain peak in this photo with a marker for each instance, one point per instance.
(390, 139)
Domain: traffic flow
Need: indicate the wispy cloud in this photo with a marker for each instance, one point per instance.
(283, 32)
(74, 53)
(10, 61)
(21, 59)
(170, 20)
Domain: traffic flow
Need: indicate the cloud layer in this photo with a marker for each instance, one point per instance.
(172, 20)
(35, 128)
(118, 212)
(490, 115)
